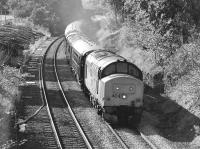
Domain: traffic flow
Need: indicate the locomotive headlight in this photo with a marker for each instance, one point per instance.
(117, 88)
(123, 96)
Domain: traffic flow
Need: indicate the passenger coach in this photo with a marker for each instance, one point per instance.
(78, 48)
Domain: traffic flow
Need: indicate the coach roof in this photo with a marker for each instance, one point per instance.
(82, 45)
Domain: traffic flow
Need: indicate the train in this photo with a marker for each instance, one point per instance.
(114, 85)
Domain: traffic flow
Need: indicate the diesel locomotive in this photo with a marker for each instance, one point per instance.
(114, 85)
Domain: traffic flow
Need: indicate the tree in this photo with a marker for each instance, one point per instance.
(3, 2)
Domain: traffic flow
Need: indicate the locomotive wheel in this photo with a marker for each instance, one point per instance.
(90, 99)
(99, 110)
(95, 104)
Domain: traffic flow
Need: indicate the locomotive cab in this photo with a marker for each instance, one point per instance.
(114, 83)
(121, 90)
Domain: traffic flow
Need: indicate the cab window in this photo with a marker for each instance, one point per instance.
(121, 67)
(109, 70)
(133, 71)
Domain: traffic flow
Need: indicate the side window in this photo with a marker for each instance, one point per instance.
(69, 49)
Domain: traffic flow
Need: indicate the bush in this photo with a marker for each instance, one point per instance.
(10, 79)
(186, 90)
(184, 61)
(53, 14)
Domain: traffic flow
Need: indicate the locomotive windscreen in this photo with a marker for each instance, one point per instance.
(121, 68)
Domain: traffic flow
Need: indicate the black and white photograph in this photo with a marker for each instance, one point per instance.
(99, 74)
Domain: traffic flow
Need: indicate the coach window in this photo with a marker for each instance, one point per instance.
(76, 57)
(122, 67)
(69, 49)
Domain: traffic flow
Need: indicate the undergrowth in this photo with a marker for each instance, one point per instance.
(10, 77)
(10, 80)
(26, 22)
(32, 48)
(175, 66)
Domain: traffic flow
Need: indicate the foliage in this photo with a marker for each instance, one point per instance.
(184, 61)
(186, 91)
(175, 21)
(40, 16)
(169, 29)
(29, 24)
(22, 9)
(3, 2)
(10, 79)
(13, 40)
(52, 14)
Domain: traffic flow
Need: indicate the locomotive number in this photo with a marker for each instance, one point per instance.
(119, 95)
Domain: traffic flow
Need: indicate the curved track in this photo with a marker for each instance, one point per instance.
(148, 141)
(117, 137)
(67, 128)
(134, 138)
(68, 105)
(45, 96)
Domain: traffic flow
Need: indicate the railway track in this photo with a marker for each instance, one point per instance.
(134, 138)
(67, 127)
(44, 97)
(68, 132)
(152, 145)
(123, 145)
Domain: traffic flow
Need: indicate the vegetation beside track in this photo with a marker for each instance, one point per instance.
(162, 38)
(51, 14)
(18, 40)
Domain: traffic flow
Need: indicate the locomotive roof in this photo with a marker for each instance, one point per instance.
(103, 58)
